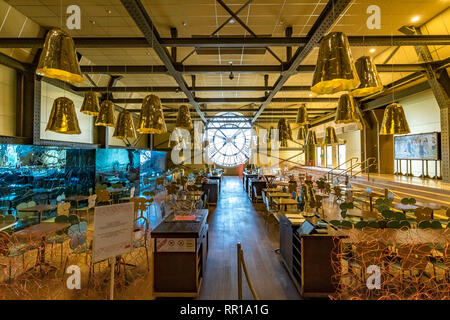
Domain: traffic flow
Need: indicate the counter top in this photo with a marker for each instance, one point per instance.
(181, 229)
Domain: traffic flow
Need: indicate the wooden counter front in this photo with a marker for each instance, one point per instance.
(180, 253)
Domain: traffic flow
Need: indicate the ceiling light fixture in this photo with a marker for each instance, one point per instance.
(415, 19)
(372, 50)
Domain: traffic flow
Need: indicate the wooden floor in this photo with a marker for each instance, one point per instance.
(236, 220)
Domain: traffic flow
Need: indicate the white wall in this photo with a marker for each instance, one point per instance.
(8, 78)
(48, 94)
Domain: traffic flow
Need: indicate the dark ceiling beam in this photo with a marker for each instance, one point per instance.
(197, 89)
(272, 111)
(231, 100)
(323, 23)
(140, 16)
(200, 69)
(223, 42)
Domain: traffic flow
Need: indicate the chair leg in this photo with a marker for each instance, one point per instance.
(10, 270)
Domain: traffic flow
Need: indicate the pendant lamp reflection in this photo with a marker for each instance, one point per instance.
(302, 115)
(284, 132)
(184, 120)
(152, 116)
(394, 120)
(106, 116)
(63, 118)
(346, 110)
(125, 126)
(335, 70)
(301, 133)
(90, 104)
(269, 134)
(58, 59)
(330, 136)
(368, 76)
(311, 138)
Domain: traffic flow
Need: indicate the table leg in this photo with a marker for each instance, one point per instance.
(39, 216)
(370, 204)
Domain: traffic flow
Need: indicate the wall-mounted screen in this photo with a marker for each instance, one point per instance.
(424, 146)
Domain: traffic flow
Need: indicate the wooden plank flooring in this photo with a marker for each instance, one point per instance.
(236, 220)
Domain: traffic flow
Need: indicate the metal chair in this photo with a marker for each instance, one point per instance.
(103, 196)
(91, 205)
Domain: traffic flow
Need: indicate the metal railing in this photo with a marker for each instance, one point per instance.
(330, 173)
(364, 168)
(242, 265)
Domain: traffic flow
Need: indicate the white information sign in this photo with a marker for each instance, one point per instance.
(113, 231)
(175, 245)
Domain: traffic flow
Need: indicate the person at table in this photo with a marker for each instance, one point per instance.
(307, 193)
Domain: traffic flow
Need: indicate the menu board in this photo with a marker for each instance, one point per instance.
(424, 146)
(113, 231)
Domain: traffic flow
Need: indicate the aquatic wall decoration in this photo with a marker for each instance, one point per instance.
(153, 166)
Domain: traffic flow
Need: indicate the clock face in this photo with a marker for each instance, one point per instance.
(229, 137)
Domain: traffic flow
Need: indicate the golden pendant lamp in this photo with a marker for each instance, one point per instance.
(152, 116)
(90, 104)
(301, 133)
(284, 132)
(125, 126)
(394, 120)
(58, 59)
(368, 76)
(63, 118)
(346, 110)
(302, 115)
(311, 138)
(106, 116)
(335, 70)
(184, 120)
(330, 136)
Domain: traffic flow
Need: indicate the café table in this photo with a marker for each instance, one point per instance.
(405, 207)
(431, 205)
(370, 195)
(284, 201)
(77, 199)
(39, 209)
(115, 192)
(272, 189)
(40, 232)
(7, 225)
(272, 195)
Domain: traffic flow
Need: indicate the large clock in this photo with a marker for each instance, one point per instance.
(229, 136)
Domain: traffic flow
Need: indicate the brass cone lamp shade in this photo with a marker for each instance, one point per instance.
(302, 115)
(90, 104)
(301, 133)
(184, 120)
(330, 136)
(152, 116)
(311, 138)
(368, 76)
(284, 132)
(346, 110)
(106, 117)
(335, 70)
(124, 126)
(63, 117)
(394, 120)
(58, 59)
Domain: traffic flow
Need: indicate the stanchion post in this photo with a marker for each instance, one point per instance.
(239, 270)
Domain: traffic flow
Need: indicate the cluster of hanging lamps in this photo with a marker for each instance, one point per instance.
(330, 136)
(90, 104)
(335, 70)
(151, 118)
(368, 76)
(301, 133)
(346, 110)
(58, 59)
(106, 116)
(284, 132)
(394, 120)
(302, 115)
(63, 118)
(125, 126)
(311, 138)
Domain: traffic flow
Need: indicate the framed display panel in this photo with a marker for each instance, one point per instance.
(424, 146)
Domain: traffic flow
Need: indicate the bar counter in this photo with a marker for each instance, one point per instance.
(180, 253)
